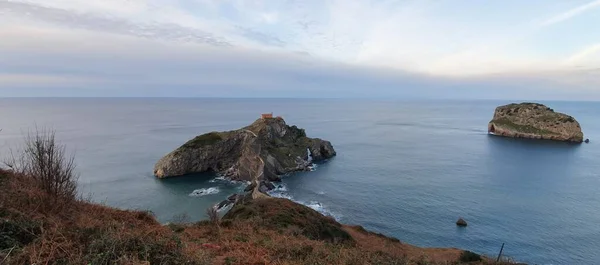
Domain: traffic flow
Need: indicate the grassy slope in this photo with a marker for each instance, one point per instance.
(36, 228)
(504, 122)
(205, 139)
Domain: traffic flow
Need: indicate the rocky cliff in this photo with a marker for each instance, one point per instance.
(261, 151)
(534, 121)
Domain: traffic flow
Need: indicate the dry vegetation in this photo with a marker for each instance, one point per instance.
(42, 225)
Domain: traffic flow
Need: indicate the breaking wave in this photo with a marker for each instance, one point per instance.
(204, 192)
(218, 179)
(280, 191)
(222, 179)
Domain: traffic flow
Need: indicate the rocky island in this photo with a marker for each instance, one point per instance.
(534, 121)
(258, 153)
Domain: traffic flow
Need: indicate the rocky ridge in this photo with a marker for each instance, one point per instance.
(534, 121)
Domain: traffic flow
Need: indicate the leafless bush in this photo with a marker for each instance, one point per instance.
(213, 215)
(181, 219)
(47, 162)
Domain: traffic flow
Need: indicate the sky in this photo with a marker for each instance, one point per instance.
(513, 49)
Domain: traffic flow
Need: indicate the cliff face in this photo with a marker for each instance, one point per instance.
(261, 151)
(534, 121)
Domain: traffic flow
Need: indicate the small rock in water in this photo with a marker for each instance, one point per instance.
(587, 141)
(461, 222)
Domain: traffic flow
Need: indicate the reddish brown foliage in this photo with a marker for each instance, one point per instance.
(79, 232)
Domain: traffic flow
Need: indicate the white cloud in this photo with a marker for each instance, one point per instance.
(588, 56)
(417, 36)
(269, 17)
(17, 80)
(571, 13)
(232, 43)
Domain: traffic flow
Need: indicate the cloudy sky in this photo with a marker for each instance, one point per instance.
(534, 49)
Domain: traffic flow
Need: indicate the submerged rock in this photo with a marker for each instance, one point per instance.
(232, 199)
(534, 121)
(261, 151)
(461, 222)
(268, 185)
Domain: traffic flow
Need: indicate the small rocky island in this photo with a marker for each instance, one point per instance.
(534, 121)
(258, 153)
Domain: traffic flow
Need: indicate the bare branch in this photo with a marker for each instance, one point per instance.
(46, 161)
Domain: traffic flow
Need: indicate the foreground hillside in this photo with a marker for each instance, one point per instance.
(39, 228)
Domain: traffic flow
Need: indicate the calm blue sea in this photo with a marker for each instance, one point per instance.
(408, 169)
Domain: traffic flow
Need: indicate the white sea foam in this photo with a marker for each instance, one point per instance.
(280, 188)
(225, 208)
(218, 179)
(282, 195)
(204, 192)
(280, 191)
(319, 207)
(315, 205)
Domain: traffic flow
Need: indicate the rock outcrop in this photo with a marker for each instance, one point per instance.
(461, 222)
(257, 153)
(534, 121)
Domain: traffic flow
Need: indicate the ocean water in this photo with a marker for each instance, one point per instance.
(408, 169)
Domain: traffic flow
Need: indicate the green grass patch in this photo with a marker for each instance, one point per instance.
(503, 122)
(203, 140)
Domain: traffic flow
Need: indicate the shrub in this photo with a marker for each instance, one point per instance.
(47, 162)
(230, 260)
(468, 256)
(110, 248)
(177, 228)
(17, 233)
(283, 214)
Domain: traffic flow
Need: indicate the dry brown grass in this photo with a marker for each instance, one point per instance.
(84, 233)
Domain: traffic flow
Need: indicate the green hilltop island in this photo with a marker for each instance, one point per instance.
(535, 121)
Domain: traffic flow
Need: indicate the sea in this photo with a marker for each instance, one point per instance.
(405, 168)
